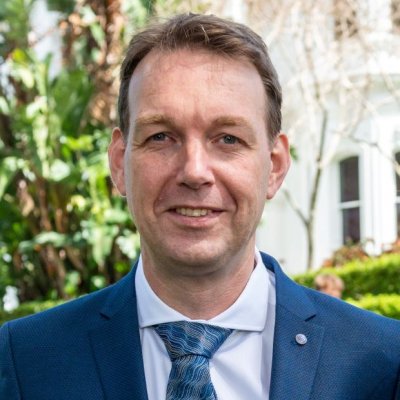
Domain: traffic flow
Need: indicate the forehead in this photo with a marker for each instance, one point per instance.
(189, 61)
(196, 73)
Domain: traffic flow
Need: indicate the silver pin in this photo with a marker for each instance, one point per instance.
(301, 339)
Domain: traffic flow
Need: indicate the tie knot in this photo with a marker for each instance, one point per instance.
(184, 338)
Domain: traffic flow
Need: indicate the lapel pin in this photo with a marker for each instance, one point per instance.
(301, 339)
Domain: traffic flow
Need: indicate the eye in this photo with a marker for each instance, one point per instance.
(230, 139)
(158, 137)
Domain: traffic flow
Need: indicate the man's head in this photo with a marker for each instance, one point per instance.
(194, 155)
(329, 284)
(208, 32)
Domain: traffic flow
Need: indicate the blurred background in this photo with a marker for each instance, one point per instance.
(64, 231)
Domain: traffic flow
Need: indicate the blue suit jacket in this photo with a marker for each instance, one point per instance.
(90, 349)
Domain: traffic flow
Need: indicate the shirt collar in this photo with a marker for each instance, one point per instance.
(248, 312)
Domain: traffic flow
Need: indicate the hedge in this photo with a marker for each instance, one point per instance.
(373, 284)
(373, 276)
(384, 304)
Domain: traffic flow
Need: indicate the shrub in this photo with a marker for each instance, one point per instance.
(384, 304)
(373, 276)
(345, 254)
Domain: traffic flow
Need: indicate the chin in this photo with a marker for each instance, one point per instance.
(197, 255)
(193, 257)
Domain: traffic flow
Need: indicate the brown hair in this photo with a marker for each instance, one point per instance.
(326, 281)
(207, 32)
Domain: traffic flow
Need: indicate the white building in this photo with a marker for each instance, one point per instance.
(350, 52)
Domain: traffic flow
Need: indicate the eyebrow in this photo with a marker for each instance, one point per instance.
(227, 120)
(152, 120)
(224, 120)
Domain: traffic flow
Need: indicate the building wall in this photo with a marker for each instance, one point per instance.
(281, 232)
(374, 140)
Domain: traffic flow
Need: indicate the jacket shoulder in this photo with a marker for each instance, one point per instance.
(74, 314)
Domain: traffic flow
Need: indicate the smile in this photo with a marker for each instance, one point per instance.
(193, 212)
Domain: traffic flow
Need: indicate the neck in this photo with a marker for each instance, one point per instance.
(204, 294)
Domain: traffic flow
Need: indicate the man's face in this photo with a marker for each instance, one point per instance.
(197, 166)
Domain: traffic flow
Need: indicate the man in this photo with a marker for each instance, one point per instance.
(202, 315)
(330, 284)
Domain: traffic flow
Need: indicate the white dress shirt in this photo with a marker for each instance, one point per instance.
(241, 368)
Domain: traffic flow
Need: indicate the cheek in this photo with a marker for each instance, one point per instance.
(147, 182)
(248, 192)
(255, 181)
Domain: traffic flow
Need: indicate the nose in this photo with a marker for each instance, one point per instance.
(195, 168)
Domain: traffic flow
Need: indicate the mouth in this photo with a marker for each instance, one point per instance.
(193, 212)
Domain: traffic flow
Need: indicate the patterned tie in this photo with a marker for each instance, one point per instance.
(190, 345)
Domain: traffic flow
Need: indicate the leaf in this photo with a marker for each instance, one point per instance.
(20, 56)
(8, 169)
(116, 216)
(98, 33)
(88, 16)
(26, 76)
(79, 202)
(65, 6)
(102, 239)
(54, 238)
(59, 170)
(98, 281)
(4, 106)
(84, 142)
(73, 279)
(129, 244)
(35, 106)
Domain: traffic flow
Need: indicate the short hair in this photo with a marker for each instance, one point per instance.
(211, 33)
(324, 280)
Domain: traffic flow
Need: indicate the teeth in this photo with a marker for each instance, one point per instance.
(193, 212)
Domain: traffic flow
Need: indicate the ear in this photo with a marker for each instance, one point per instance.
(116, 152)
(280, 163)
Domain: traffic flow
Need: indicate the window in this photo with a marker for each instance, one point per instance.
(397, 157)
(345, 17)
(395, 13)
(350, 200)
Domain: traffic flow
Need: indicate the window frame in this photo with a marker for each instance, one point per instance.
(350, 204)
(395, 15)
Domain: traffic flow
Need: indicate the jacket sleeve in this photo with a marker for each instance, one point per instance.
(8, 379)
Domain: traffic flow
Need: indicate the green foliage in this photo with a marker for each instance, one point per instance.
(374, 276)
(59, 165)
(66, 6)
(63, 232)
(27, 308)
(14, 16)
(373, 284)
(384, 304)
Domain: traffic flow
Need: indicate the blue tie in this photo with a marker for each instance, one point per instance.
(190, 345)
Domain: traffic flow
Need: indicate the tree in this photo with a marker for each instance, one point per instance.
(62, 231)
(330, 57)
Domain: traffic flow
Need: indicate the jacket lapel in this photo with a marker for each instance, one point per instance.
(294, 365)
(116, 344)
